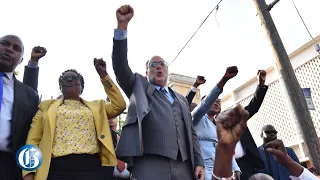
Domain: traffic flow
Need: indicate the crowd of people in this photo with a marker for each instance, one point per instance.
(165, 135)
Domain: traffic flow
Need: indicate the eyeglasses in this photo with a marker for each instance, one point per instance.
(271, 132)
(161, 63)
(72, 77)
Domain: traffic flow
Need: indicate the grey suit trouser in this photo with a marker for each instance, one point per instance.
(154, 167)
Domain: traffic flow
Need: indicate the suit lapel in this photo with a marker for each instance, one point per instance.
(150, 89)
(52, 114)
(17, 100)
(18, 97)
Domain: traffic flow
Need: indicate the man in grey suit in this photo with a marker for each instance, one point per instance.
(158, 134)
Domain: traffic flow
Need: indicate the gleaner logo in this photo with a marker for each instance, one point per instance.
(29, 157)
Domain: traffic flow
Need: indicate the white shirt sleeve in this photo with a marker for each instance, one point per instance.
(193, 89)
(306, 175)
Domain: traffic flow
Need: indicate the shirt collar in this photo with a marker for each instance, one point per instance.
(9, 75)
(158, 88)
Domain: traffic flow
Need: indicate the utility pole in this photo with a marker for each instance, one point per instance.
(296, 97)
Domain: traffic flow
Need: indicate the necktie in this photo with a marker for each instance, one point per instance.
(164, 92)
(1, 89)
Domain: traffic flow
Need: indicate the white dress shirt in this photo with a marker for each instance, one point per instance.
(6, 110)
(306, 175)
(7, 107)
(239, 151)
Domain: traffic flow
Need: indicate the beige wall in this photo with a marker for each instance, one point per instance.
(276, 109)
(182, 85)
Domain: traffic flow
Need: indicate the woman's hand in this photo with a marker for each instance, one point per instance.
(101, 67)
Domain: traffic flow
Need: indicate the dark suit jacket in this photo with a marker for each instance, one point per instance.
(246, 139)
(190, 96)
(140, 91)
(25, 106)
(30, 77)
(278, 172)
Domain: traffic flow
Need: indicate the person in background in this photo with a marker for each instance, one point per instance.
(231, 124)
(18, 104)
(281, 156)
(193, 90)
(272, 167)
(120, 172)
(158, 132)
(192, 106)
(204, 122)
(246, 152)
(313, 170)
(74, 134)
(260, 176)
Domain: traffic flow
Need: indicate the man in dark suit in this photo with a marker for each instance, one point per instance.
(158, 131)
(272, 167)
(247, 154)
(19, 103)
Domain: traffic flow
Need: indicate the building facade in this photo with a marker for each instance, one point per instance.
(276, 109)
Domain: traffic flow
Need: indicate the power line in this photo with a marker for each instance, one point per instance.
(316, 45)
(303, 21)
(217, 6)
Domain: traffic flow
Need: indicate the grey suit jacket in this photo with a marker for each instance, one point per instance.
(139, 91)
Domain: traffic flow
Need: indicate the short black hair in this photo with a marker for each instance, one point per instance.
(75, 71)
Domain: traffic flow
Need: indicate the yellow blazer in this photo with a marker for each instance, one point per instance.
(43, 125)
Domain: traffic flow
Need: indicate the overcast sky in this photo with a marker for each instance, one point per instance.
(76, 31)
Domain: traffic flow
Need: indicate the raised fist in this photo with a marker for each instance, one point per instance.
(261, 75)
(231, 125)
(101, 67)
(124, 15)
(200, 80)
(37, 53)
(231, 72)
(278, 150)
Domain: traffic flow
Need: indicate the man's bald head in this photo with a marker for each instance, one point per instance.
(260, 176)
(13, 37)
(11, 52)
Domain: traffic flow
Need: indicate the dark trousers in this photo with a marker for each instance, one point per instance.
(9, 170)
(76, 167)
(246, 166)
(157, 167)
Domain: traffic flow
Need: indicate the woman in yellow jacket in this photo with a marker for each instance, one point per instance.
(73, 134)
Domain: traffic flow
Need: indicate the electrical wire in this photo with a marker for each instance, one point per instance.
(217, 6)
(303, 21)
(218, 25)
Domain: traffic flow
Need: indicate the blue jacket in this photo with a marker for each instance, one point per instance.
(279, 172)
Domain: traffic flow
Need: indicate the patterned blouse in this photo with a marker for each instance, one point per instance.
(75, 131)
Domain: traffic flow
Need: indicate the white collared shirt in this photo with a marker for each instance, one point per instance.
(6, 110)
(168, 94)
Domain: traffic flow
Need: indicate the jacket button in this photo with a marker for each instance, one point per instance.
(102, 136)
